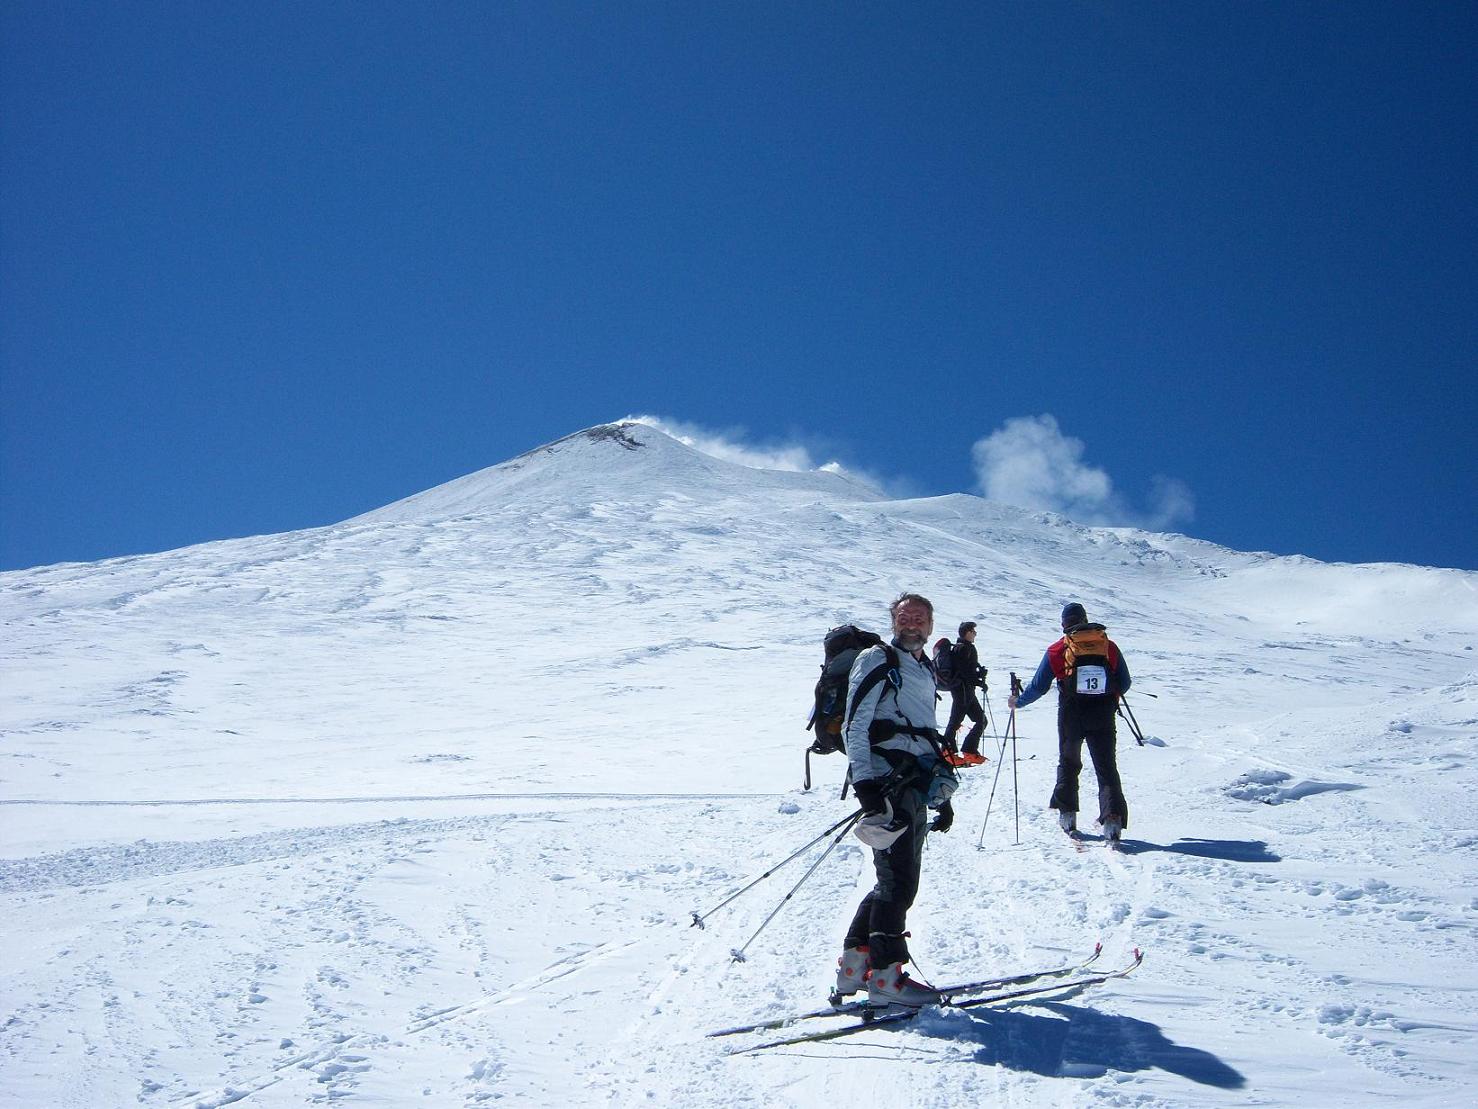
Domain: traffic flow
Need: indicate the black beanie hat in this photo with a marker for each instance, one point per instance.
(1073, 614)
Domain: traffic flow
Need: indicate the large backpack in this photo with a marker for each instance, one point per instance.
(829, 710)
(1087, 684)
(944, 666)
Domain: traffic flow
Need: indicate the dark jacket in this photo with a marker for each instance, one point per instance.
(967, 665)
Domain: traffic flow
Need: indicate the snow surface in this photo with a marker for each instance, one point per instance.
(414, 810)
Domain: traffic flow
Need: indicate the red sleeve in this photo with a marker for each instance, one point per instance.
(1057, 656)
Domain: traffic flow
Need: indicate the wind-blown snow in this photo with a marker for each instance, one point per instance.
(415, 809)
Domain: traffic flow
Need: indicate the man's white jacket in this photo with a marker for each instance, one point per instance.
(911, 705)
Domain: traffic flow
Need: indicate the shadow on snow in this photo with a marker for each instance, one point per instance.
(1230, 850)
(1082, 1043)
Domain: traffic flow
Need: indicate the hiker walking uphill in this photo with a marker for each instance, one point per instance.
(894, 757)
(965, 677)
(1091, 676)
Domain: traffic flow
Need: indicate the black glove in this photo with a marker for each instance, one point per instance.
(870, 795)
(945, 820)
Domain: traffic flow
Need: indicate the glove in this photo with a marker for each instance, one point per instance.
(945, 820)
(870, 795)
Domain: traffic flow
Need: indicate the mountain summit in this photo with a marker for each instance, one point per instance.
(627, 461)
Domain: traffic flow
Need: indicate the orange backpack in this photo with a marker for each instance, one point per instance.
(1088, 640)
(1087, 646)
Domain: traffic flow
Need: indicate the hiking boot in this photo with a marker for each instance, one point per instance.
(971, 758)
(1112, 830)
(851, 972)
(956, 760)
(890, 986)
(1068, 821)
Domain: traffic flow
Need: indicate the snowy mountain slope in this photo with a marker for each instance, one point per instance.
(629, 461)
(414, 808)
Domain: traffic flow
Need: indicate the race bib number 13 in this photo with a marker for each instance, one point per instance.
(1092, 680)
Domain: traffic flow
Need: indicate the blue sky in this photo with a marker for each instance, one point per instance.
(1197, 265)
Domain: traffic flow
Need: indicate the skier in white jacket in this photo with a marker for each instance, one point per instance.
(893, 750)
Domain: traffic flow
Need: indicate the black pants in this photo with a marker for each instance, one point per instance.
(880, 920)
(1101, 739)
(964, 703)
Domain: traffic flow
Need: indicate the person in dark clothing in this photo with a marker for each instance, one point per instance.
(1091, 676)
(964, 702)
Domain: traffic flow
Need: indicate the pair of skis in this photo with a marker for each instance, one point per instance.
(988, 990)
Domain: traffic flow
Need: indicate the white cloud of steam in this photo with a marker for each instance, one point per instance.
(1029, 462)
(730, 446)
(726, 445)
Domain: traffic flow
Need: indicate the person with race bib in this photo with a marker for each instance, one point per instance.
(1091, 676)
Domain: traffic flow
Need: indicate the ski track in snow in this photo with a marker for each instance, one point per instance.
(415, 810)
(326, 905)
(354, 1054)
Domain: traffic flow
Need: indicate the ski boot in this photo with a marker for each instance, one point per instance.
(891, 986)
(851, 974)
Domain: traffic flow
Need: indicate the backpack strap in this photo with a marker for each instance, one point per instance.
(887, 672)
(880, 730)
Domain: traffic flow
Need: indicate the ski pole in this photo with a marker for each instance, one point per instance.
(1000, 761)
(1015, 789)
(698, 920)
(1128, 714)
(738, 953)
(990, 713)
